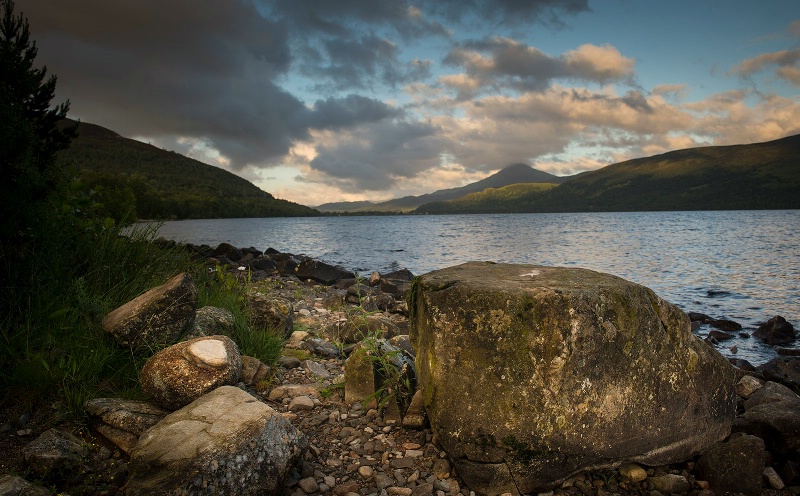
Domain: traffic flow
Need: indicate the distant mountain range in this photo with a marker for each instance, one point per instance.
(513, 174)
(129, 176)
(134, 178)
(756, 176)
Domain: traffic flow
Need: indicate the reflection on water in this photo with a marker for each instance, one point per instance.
(739, 265)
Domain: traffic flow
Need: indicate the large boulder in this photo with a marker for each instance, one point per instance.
(321, 272)
(159, 316)
(531, 374)
(776, 331)
(123, 421)
(12, 485)
(773, 414)
(735, 466)
(180, 374)
(225, 442)
(785, 370)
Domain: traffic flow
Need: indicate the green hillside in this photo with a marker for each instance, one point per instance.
(756, 176)
(491, 200)
(151, 183)
(513, 174)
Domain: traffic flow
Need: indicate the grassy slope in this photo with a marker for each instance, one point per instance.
(167, 184)
(756, 176)
(491, 200)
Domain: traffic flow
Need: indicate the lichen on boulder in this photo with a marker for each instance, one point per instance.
(530, 374)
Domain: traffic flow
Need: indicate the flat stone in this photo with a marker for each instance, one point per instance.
(634, 472)
(209, 352)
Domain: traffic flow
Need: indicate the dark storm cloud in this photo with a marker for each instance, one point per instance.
(358, 63)
(335, 113)
(183, 71)
(378, 154)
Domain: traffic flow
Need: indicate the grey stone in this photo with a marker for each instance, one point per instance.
(226, 439)
(209, 321)
(316, 369)
(300, 403)
(11, 485)
(359, 376)
(670, 483)
(180, 374)
(253, 370)
(321, 347)
(293, 391)
(735, 466)
(415, 417)
(532, 373)
(308, 485)
(54, 450)
(773, 414)
(784, 370)
(748, 385)
(271, 313)
(776, 331)
(289, 362)
(123, 421)
(158, 317)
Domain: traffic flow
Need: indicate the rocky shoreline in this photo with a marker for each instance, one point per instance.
(354, 448)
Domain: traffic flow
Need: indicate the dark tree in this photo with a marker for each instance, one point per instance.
(29, 132)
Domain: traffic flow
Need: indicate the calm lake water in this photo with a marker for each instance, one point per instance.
(739, 265)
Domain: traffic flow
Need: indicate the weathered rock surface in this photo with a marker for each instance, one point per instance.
(271, 312)
(785, 370)
(776, 331)
(209, 321)
(11, 485)
(253, 370)
(226, 442)
(773, 414)
(735, 466)
(54, 450)
(123, 421)
(180, 374)
(321, 272)
(156, 317)
(531, 373)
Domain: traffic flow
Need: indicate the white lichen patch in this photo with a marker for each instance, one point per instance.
(210, 352)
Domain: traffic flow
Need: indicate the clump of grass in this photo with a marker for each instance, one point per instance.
(52, 346)
(226, 290)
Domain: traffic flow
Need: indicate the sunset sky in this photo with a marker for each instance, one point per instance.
(338, 100)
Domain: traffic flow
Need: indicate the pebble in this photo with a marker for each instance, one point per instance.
(365, 472)
(308, 485)
(398, 491)
(299, 403)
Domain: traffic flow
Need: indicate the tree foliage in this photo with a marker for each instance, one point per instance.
(29, 136)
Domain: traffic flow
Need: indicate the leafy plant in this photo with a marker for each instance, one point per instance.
(395, 377)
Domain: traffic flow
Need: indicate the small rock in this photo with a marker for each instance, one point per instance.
(365, 472)
(316, 369)
(399, 491)
(670, 483)
(402, 463)
(748, 385)
(633, 472)
(773, 478)
(289, 362)
(299, 403)
(441, 468)
(308, 485)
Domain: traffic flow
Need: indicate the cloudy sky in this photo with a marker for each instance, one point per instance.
(334, 100)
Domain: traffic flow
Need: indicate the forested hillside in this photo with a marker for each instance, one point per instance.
(133, 178)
